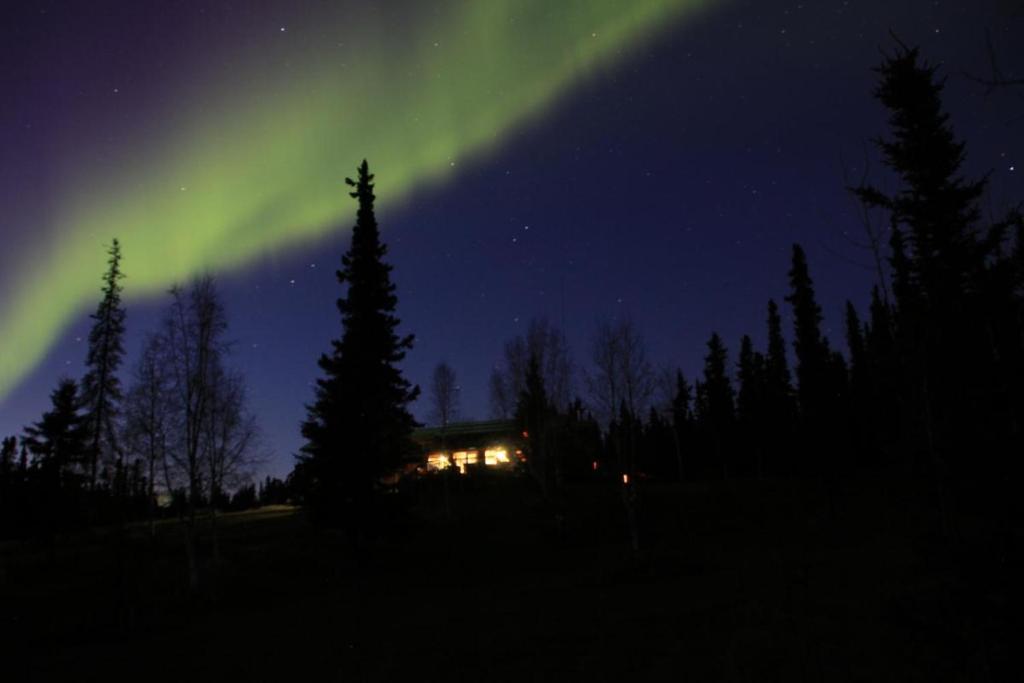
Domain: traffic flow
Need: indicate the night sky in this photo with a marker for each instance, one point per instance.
(575, 160)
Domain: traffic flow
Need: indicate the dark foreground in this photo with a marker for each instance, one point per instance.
(750, 581)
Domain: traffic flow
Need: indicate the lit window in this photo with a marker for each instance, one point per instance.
(463, 458)
(495, 456)
(438, 461)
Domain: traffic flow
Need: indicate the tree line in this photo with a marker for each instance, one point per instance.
(178, 441)
(929, 386)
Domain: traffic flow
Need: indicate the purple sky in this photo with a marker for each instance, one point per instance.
(669, 190)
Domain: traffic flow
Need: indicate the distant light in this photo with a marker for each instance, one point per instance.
(594, 465)
(625, 479)
(526, 434)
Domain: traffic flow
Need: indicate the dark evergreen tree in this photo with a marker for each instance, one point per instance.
(815, 399)
(101, 387)
(745, 399)
(57, 440)
(780, 407)
(751, 408)
(8, 451)
(950, 313)
(57, 443)
(860, 399)
(682, 422)
(855, 344)
(358, 427)
(812, 351)
(716, 401)
(8, 483)
(936, 205)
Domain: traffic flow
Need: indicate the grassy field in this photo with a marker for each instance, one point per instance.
(743, 581)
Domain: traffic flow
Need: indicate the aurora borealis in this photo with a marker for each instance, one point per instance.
(253, 163)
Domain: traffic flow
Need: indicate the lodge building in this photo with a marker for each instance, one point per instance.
(491, 443)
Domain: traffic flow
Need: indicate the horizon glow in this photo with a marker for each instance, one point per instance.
(253, 160)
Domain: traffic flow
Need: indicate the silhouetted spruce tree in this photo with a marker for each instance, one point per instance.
(812, 353)
(883, 372)
(656, 455)
(942, 321)
(780, 407)
(8, 452)
(57, 443)
(935, 204)
(745, 375)
(717, 402)
(750, 408)
(8, 483)
(682, 422)
(57, 440)
(1001, 297)
(358, 427)
(813, 371)
(535, 417)
(860, 420)
(101, 387)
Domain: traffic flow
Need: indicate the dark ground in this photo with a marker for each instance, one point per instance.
(743, 581)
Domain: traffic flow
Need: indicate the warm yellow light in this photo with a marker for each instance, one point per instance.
(463, 458)
(438, 461)
(495, 456)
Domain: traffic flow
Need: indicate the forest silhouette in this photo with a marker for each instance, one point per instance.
(913, 419)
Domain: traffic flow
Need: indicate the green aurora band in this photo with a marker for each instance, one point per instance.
(251, 161)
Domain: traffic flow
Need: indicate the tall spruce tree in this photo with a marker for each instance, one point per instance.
(780, 408)
(936, 205)
(359, 425)
(682, 421)
(939, 260)
(749, 375)
(57, 441)
(101, 387)
(860, 401)
(746, 399)
(816, 400)
(717, 401)
(812, 352)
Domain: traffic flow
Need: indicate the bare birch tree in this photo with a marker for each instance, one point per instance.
(230, 439)
(444, 395)
(147, 417)
(551, 349)
(621, 374)
(193, 343)
(622, 379)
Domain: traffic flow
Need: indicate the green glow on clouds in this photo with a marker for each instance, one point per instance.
(252, 156)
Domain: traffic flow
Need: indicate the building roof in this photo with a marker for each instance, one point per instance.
(481, 428)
